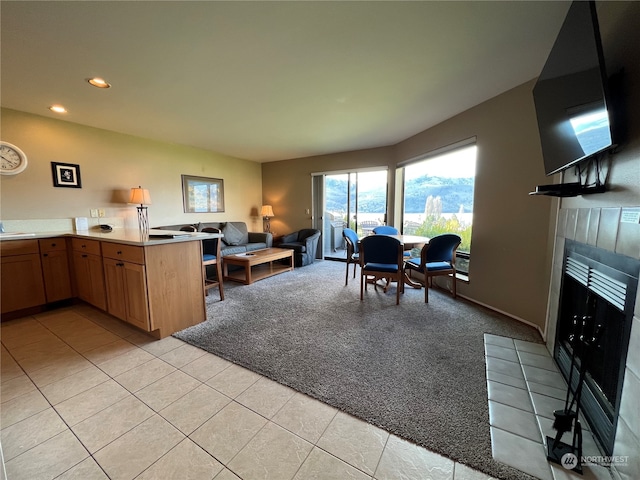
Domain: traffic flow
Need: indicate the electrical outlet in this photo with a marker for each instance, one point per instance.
(94, 213)
(101, 212)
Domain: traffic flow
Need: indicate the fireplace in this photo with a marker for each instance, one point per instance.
(597, 300)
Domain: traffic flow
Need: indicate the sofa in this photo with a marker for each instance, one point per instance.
(304, 243)
(237, 239)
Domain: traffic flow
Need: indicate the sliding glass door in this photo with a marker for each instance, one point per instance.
(357, 200)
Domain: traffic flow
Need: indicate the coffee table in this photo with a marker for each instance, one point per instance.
(257, 264)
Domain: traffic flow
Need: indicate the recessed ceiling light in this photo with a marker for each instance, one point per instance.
(58, 109)
(98, 82)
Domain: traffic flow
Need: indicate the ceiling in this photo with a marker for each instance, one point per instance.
(266, 80)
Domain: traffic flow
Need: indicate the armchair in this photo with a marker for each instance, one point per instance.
(304, 243)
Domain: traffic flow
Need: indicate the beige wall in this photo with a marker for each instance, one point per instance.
(112, 163)
(509, 268)
(510, 265)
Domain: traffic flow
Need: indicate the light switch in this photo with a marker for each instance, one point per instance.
(94, 213)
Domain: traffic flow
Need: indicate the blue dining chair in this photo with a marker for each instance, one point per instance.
(381, 257)
(353, 251)
(437, 258)
(385, 230)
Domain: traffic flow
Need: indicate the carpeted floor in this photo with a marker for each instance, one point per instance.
(416, 370)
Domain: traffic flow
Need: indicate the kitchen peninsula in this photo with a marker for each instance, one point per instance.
(153, 282)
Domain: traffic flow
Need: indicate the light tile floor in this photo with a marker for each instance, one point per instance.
(86, 397)
(524, 387)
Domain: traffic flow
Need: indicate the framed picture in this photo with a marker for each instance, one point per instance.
(202, 194)
(66, 175)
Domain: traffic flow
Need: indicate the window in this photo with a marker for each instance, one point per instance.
(438, 198)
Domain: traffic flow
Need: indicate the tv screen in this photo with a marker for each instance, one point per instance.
(570, 95)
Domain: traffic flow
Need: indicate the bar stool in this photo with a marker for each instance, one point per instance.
(211, 256)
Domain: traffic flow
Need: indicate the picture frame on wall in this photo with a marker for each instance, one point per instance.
(202, 194)
(66, 175)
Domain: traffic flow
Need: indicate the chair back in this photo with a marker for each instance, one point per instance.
(381, 249)
(351, 238)
(188, 228)
(385, 230)
(441, 248)
(211, 246)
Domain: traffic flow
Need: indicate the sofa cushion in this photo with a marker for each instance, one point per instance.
(233, 249)
(297, 247)
(255, 246)
(232, 236)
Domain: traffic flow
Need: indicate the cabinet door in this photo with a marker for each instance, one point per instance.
(55, 270)
(90, 278)
(83, 279)
(22, 284)
(114, 280)
(136, 295)
(96, 273)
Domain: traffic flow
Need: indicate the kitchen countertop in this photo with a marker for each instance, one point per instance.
(118, 235)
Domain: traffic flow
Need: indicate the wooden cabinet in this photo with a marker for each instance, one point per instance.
(55, 269)
(22, 283)
(126, 283)
(88, 271)
(157, 287)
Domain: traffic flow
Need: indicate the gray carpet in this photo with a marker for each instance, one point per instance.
(416, 370)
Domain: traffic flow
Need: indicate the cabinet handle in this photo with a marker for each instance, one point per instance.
(119, 252)
(85, 256)
(53, 244)
(45, 254)
(84, 246)
(120, 264)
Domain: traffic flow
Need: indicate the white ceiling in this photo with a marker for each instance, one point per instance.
(270, 80)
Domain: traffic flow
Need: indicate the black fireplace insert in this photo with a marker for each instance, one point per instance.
(598, 291)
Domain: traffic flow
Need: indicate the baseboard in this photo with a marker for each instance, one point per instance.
(507, 314)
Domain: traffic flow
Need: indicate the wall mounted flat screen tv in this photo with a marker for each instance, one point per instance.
(570, 96)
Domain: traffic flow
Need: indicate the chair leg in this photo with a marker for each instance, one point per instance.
(346, 276)
(220, 286)
(426, 289)
(361, 287)
(453, 284)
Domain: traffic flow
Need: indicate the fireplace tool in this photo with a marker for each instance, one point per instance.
(568, 419)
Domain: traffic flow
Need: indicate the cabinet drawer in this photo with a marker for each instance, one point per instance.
(86, 246)
(127, 253)
(18, 247)
(53, 245)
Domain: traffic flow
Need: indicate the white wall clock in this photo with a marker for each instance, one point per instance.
(14, 160)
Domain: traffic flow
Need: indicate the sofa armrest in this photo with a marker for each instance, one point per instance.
(261, 237)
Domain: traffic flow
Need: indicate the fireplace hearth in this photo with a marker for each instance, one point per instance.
(598, 293)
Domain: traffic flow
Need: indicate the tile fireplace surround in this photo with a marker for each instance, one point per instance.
(525, 387)
(606, 228)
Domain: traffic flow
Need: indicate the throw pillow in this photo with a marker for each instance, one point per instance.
(232, 236)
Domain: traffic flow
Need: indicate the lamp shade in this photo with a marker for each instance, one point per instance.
(267, 211)
(140, 196)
